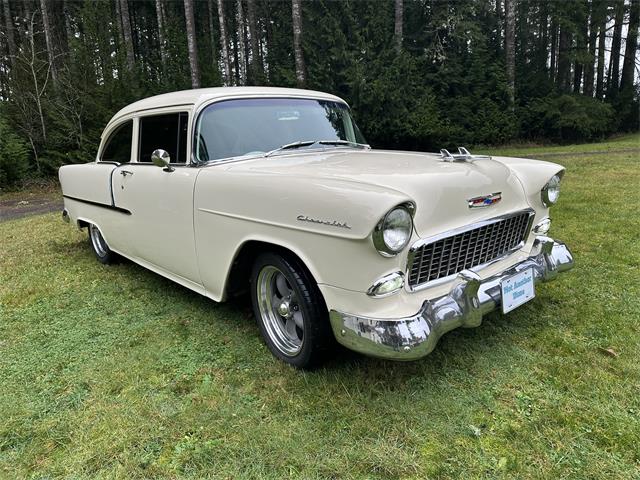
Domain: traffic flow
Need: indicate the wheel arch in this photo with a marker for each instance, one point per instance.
(237, 281)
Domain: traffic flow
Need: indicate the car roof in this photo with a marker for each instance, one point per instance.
(198, 96)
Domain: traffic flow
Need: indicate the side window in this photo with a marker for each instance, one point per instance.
(168, 132)
(118, 147)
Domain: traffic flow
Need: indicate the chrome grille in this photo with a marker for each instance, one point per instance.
(476, 245)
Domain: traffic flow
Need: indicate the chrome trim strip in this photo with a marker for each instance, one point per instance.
(456, 231)
(471, 297)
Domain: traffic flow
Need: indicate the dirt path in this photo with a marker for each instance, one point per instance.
(17, 208)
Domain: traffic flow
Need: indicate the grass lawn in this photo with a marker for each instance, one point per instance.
(114, 372)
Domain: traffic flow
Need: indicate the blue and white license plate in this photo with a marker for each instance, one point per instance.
(517, 289)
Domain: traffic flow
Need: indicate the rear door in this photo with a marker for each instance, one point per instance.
(160, 230)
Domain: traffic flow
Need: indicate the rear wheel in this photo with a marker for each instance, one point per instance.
(290, 310)
(99, 246)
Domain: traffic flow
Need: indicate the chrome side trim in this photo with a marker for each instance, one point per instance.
(434, 238)
(413, 337)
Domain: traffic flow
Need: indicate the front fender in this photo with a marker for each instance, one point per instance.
(533, 175)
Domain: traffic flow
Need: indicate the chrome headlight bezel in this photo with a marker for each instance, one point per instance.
(378, 234)
(551, 191)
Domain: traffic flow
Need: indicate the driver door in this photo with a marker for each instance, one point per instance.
(160, 229)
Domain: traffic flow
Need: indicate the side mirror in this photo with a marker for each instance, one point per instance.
(162, 159)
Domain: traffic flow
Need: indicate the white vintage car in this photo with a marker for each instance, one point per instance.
(275, 191)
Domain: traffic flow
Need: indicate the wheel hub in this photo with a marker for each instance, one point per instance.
(284, 310)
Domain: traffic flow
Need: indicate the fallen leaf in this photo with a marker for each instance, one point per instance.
(609, 351)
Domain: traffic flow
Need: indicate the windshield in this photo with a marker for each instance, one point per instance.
(256, 126)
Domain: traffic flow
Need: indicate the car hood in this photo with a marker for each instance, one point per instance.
(440, 189)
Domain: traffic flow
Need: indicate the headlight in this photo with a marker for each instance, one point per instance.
(393, 232)
(551, 191)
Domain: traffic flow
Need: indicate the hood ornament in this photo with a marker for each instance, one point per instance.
(463, 155)
(485, 200)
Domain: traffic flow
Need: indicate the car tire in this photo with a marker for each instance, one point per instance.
(290, 311)
(99, 246)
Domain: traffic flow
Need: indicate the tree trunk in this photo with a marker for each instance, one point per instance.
(11, 39)
(510, 49)
(126, 32)
(554, 49)
(628, 66)
(224, 44)
(601, 47)
(69, 34)
(212, 36)
(582, 49)
(614, 59)
(564, 63)
(296, 15)
(240, 44)
(46, 24)
(192, 45)
(397, 31)
(161, 36)
(589, 67)
(254, 65)
(544, 36)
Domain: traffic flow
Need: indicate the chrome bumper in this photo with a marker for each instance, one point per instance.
(414, 337)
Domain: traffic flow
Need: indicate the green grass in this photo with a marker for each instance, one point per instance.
(621, 142)
(114, 372)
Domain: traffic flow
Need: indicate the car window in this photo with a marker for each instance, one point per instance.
(167, 132)
(253, 126)
(118, 146)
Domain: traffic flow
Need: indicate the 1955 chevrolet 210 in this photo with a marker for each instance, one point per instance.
(275, 191)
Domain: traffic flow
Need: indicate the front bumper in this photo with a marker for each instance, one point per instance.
(414, 337)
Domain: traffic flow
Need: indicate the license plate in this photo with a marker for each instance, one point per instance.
(517, 289)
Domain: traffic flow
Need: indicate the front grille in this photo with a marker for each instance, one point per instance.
(467, 249)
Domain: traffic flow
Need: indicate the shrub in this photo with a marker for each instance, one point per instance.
(568, 118)
(14, 156)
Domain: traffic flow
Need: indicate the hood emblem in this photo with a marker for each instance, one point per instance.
(331, 223)
(485, 200)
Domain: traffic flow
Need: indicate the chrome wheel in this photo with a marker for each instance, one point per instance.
(98, 242)
(280, 311)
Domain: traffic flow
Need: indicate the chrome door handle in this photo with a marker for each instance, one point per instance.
(124, 173)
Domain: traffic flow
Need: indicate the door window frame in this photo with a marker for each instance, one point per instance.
(108, 135)
(188, 109)
(159, 114)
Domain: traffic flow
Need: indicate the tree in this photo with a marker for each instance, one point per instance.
(614, 60)
(296, 16)
(240, 45)
(224, 44)
(589, 67)
(564, 62)
(398, 24)
(602, 37)
(192, 45)
(161, 35)
(48, 39)
(629, 65)
(125, 21)
(510, 48)
(254, 64)
(8, 18)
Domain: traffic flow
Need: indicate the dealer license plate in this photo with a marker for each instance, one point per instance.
(517, 289)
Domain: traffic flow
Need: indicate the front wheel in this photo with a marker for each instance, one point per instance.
(290, 310)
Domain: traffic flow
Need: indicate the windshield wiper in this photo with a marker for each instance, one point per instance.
(290, 146)
(308, 143)
(343, 142)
